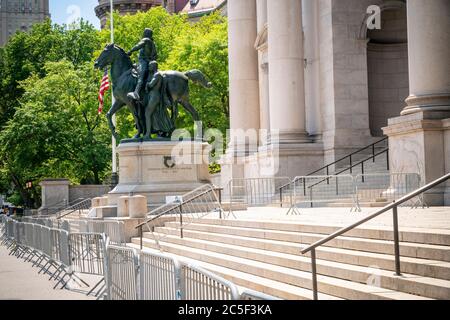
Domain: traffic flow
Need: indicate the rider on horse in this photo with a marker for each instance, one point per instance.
(147, 61)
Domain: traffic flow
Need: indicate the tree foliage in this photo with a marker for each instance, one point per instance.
(56, 131)
(49, 127)
(27, 53)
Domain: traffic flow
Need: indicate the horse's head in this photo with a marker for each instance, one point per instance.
(110, 54)
(106, 58)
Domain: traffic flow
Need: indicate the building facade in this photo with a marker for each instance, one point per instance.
(123, 7)
(20, 15)
(332, 76)
(133, 6)
(196, 9)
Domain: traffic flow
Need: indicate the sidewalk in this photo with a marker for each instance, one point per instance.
(19, 281)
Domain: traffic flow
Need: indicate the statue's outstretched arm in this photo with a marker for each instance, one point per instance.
(138, 47)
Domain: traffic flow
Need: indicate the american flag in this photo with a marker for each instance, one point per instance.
(103, 88)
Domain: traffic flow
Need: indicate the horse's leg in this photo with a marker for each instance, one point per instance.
(186, 104)
(149, 110)
(174, 111)
(115, 107)
(135, 110)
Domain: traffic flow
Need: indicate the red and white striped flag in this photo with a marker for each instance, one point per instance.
(103, 88)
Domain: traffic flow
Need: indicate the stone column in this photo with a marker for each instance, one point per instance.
(243, 69)
(261, 46)
(418, 140)
(429, 56)
(312, 72)
(286, 74)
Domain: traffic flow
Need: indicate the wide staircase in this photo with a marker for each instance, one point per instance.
(265, 256)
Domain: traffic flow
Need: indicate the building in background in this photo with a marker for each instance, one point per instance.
(133, 6)
(196, 9)
(20, 15)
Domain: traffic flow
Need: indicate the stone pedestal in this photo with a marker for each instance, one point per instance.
(420, 142)
(55, 193)
(159, 169)
(123, 207)
(138, 207)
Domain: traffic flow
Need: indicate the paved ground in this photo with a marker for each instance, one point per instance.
(20, 281)
(432, 218)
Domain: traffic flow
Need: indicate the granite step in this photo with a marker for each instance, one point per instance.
(421, 267)
(408, 283)
(307, 235)
(415, 235)
(328, 285)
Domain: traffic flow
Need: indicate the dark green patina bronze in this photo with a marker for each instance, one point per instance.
(155, 104)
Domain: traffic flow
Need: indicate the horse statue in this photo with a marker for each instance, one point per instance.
(151, 115)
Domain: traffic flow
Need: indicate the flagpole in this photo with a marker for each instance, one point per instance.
(114, 154)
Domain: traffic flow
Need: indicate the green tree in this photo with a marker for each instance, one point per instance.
(56, 131)
(27, 53)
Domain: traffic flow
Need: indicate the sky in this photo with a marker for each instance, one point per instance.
(67, 11)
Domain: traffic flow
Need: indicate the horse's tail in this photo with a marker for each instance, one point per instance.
(198, 77)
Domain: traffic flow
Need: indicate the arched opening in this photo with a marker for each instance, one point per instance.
(387, 62)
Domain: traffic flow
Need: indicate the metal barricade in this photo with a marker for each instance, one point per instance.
(122, 266)
(87, 252)
(386, 187)
(65, 225)
(82, 226)
(46, 244)
(29, 234)
(115, 230)
(2, 227)
(87, 255)
(199, 284)
(159, 277)
(257, 192)
(37, 237)
(55, 244)
(19, 238)
(311, 190)
(64, 258)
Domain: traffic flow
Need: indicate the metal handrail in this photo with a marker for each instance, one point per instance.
(351, 155)
(360, 163)
(54, 210)
(394, 206)
(179, 207)
(327, 167)
(73, 208)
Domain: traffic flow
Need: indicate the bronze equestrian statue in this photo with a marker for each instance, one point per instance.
(162, 92)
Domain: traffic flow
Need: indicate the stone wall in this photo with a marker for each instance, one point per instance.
(387, 56)
(388, 83)
(56, 193)
(350, 129)
(87, 191)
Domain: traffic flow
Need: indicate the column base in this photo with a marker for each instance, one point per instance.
(291, 137)
(427, 103)
(420, 143)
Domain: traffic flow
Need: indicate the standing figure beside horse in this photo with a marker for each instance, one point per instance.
(149, 104)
